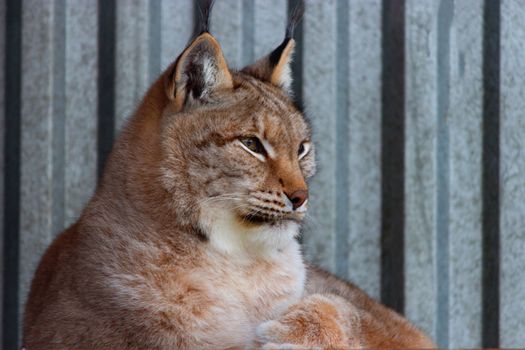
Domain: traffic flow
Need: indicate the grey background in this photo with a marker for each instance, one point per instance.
(418, 109)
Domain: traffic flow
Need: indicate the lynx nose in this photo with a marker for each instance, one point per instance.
(297, 198)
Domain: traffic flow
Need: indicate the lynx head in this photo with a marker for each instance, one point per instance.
(235, 142)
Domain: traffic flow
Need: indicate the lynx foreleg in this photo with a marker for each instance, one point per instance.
(316, 322)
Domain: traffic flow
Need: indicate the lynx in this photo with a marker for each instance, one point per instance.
(190, 239)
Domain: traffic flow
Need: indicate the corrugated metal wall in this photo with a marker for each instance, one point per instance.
(419, 115)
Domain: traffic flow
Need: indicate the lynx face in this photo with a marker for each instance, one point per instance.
(238, 144)
(247, 156)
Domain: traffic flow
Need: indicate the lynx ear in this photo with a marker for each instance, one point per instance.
(198, 72)
(276, 67)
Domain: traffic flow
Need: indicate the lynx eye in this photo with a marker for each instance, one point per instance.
(304, 148)
(254, 146)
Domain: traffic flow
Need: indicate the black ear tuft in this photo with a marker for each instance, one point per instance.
(276, 54)
(203, 7)
(294, 18)
(275, 68)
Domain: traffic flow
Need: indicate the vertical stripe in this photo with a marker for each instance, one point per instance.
(392, 154)
(106, 80)
(80, 142)
(177, 20)
(41, 99)
(464, 119)
(341, 138)
(3, 202)
(421, 183)
(154, 38)
(132, 57)
(248, 32)
(11, 225)
(445, 14)
(319, 92)
(226, 25)
(509, 253)
(490, 173)
(364, 145)
(36, 187)
(58, 115)
(268, 26)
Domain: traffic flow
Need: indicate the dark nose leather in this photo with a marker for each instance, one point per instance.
(297, 198)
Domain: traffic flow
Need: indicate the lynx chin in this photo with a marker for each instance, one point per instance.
(190, 239)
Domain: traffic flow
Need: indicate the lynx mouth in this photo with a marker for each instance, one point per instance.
(261, 219)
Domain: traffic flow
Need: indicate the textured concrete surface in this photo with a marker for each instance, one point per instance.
(176, 23)
(80, 160)
(39, 101)
(420, 164)
(319, 92)
(58, 143)
(364, 144)
(248, 30)
(464, 125)
(133, 57)
(512, 175)
(226, 26)
(150, 35)
(269, 22)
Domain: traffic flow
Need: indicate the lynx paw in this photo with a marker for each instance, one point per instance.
(316, 322)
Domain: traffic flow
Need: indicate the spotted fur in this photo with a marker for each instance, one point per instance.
(189, 241)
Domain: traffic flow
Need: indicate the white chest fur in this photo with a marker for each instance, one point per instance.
(245, 292)
(251, 276)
